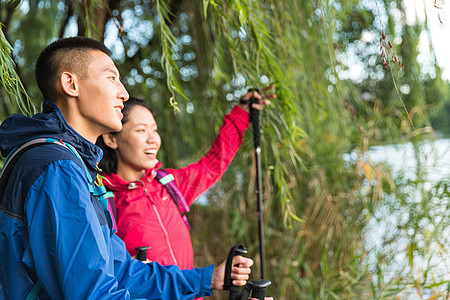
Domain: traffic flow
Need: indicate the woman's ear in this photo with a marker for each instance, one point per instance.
(69, 84)
(110, 140)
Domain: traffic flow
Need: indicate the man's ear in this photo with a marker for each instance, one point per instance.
(69, 84)
(110, 140)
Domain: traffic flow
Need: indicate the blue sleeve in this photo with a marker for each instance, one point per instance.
(75, 258)
(173, 282)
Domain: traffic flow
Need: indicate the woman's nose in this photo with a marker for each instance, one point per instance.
(151, 137)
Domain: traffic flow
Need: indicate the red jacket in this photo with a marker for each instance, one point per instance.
(146, 213)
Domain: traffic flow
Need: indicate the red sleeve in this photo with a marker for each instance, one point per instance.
(196, 178)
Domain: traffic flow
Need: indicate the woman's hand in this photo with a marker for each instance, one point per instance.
(263, 99)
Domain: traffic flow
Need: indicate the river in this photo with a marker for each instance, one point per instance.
(391, 231)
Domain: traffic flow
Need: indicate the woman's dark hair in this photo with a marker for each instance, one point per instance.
(108, 164)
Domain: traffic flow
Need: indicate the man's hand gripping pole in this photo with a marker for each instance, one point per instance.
(255, 287)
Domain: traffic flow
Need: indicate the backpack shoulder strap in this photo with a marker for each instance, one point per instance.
(34, 292)
(12, 158)
(98, 191)
(168, 181)
(17, 152)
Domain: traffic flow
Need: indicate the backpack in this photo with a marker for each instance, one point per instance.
(97, 191)
(168, 181)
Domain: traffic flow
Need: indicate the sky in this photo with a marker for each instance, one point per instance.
(439, 24)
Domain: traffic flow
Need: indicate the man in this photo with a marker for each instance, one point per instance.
(54, 236)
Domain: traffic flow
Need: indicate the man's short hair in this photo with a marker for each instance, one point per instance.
(68, 54)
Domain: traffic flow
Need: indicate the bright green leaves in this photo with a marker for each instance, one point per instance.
(10, 81)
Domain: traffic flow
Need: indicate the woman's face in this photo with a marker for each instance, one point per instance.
(137, 144)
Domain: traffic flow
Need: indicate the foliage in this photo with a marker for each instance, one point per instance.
(322, 193)
(10, 81)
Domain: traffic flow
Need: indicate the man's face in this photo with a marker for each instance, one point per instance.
(101, 96)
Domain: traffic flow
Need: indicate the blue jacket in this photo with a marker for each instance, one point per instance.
(54, 231)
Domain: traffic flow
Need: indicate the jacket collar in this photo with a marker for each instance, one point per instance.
(116, 183)
(18, 129)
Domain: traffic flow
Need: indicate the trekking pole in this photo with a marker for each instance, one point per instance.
(254, 288)
(141, 253)
(254, 119)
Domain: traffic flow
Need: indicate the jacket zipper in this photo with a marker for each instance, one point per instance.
(161, 224)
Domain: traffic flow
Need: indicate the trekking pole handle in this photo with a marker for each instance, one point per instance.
(141, 253)
(228, 285)
(254, 116)
(258, 287)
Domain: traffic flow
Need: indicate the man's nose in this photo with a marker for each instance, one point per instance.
(123, 94)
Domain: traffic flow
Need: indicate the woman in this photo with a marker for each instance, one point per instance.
(146, 213)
